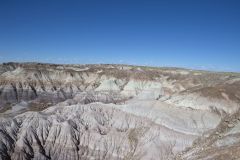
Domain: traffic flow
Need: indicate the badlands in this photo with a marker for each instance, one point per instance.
(117, 112)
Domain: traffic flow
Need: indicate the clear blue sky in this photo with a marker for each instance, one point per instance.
(203, 34)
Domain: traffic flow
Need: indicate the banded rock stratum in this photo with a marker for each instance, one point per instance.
(117, 112)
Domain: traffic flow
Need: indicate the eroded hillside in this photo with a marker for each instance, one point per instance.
(50, 111)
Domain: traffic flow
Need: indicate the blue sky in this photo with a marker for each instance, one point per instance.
(199, 34)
